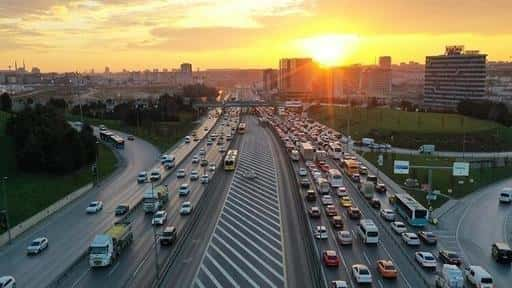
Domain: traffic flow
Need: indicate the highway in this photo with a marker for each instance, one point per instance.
(70, 230)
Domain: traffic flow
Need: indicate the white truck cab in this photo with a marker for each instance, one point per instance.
(101, 251)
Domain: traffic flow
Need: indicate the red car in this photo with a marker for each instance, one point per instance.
(330, 210)
(330, 258)
(325, 168)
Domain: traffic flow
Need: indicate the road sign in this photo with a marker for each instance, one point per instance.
(431, 197)
(380, 160)
(460, 169)
(401, 167)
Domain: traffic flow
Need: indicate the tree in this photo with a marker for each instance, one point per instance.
(5, 102)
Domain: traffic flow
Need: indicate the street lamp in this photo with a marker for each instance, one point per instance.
(6, 210)
(97, 159)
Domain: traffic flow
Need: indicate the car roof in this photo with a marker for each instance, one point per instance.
(39, 239)
(330, 252)
(502, 246)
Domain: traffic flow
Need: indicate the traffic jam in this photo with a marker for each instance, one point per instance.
(365, 233)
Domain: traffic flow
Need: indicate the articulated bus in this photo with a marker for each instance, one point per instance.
(351, 167)
(411, 210)
(242, 127)
(115, 140)
(335, 150)
(230, 160)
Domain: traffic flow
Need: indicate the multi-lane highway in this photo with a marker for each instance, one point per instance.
(70, 230)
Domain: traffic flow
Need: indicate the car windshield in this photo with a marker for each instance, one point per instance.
(98, 250)
(486, 280)
(93, 204)
(363, 271)
(428, 257)
(389, 267)
(452, 255)
(372, 234)
(35, 243)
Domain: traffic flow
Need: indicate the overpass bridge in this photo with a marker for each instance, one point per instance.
(248, 104)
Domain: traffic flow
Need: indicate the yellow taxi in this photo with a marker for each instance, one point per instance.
(345, 201)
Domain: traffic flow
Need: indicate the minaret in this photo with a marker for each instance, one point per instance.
(24, 65)
(15, 65)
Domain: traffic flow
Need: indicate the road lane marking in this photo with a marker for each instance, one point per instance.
(260, 230)
(113, 269)
(366, 257)
(210, 275)
(254, 200)
(237, 203)
(389, 255)
(380, 283)
(221, 269)
(199, 283)
(81, 277)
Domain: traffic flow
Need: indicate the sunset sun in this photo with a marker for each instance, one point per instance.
(329, 50)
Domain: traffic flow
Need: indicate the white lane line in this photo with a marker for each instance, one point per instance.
(259, 198)
(221, 269)
(236, 267)
(277, 241)
(272, 218)
(380, 283)
(276, 261)
(367, 259)
(260, 204)
(81, 277)
(113, 269)
(403, 275)
(210, 276)
(260, 190)
(199, 283)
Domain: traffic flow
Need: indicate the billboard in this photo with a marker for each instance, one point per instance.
(401, 167)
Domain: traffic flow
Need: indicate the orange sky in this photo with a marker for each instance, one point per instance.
(59, 35)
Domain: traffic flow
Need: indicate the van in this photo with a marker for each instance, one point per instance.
(295, 155)
(168, 236)
(506, 195)
(501, 252)
(477, 276)
(368, 231)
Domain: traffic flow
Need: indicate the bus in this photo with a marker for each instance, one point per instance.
(242, 127)
(334, 177)
(368, 231)
(411, 210)
(230, 160)
(335, 150)
(117, 141)
(351, 167)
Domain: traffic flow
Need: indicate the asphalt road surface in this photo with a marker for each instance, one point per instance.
(70, 230)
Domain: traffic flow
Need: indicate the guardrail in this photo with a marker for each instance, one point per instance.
(59, 279)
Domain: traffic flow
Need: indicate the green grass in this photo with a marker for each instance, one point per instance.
(29, 193)
(162, 134)
(442, 179)
(412, 129)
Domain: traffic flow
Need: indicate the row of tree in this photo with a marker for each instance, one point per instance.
(487, 110)
(45, 142)
(5, 102)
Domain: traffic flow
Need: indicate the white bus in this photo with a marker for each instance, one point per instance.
(368, 231)
(335, 150)
(334, 177)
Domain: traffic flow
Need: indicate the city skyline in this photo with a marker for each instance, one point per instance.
(137, 34)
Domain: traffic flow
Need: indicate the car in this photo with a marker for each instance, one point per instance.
(205, 128)
(159, 218)
(428, 237)
(310, 195)
(375, 203)
(187, 139)
(387, 214)
(186, 208)
(212, 167)
(341, 191)
(345, 201)
(314, 212)
(344, 237)
(380, 188)
(501, 252)
(204, 179)
(184, 190)
(356, 178)
(155, 176)
(320, 232)
(204, 162)
(316, 174)
(304, 182)
(37, 246)
(361, 274)
(327, 200)
(202, 152)
(142, 177)
(449, 257)
(121, 209)
(411, 239)
(222, 149)
(181, 173)
(195, 159)
(330, 210)
(303, 172)
(398, 227)
(354, 213)
(479, 277)
(130, 137)
(336, 222)
(363, 170)
(338, 284)
(387, 269)
(7, 282)
(425, 259)
(330, 258)
(196, 139)
(325, 168)
(194, 175)
(168, 236)
(94, 207)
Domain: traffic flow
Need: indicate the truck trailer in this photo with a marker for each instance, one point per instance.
(154, 198)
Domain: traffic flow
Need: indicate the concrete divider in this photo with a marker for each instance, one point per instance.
(27, 224)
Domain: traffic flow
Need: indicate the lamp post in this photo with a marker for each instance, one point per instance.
(6, 207)
(97, 159)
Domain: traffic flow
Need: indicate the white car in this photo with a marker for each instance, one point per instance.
(37, 245)
(212, 167)
(184, 190)
(320, 232)
(341, 191)
(204, 179)
(361, 273)
(327, 200)
(7, 282)
(94, 207)
(338, 284)
(159, 218)
(154, 176)
(195, 159)
(411, 239)
(186, 208)
(344, 237)
(142, 177)
(398, 227)
(194, 175)
(187, 139)
(316, 174)
(209, 142)
(303, 172)
(181, 173)
(222, 149)
(202, 152)
(387, 214)
(426, 259)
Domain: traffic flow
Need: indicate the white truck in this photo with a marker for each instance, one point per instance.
(105, 248)
(323, 186)
(307, 151)
(154, 198)
(450, 277)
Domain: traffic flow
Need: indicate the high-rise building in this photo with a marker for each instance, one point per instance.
(455, 76)
(295, 78)
(107, 70)
(186, 68)
(269, 79)
(385, 62)
(376, 81)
